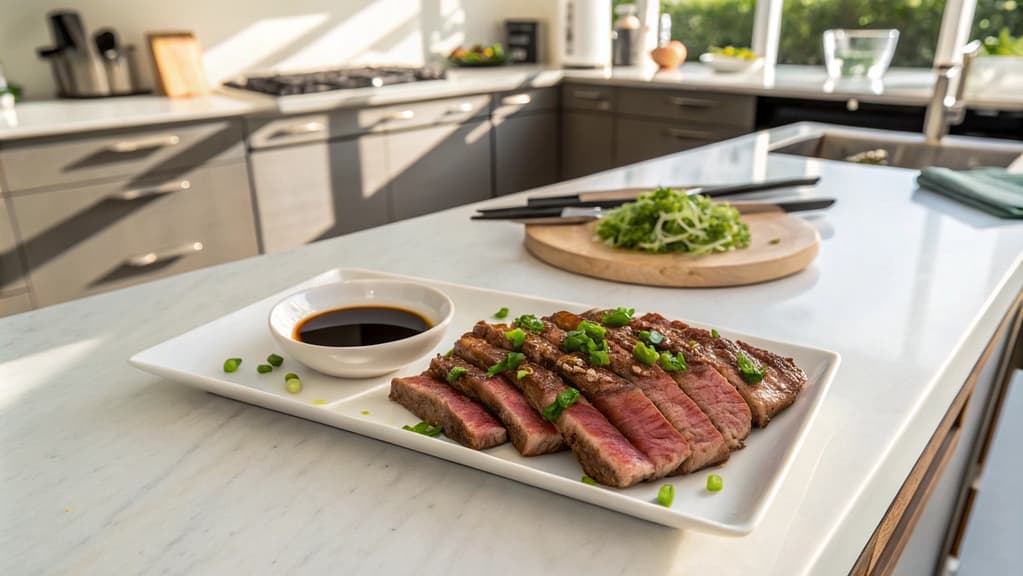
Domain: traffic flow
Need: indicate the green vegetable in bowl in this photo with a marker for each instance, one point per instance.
(733, 52)
(668, 220)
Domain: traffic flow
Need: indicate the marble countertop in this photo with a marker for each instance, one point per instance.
(901, 87)
(106, 469)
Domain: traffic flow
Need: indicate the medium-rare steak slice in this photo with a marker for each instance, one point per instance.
(617, 399)
(603, 452)
(782, 379)
(718, 399)
(530, 433)
(705, 441)
(463, 420)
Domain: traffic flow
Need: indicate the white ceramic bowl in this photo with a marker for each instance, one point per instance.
(722, 63)
(361, 361)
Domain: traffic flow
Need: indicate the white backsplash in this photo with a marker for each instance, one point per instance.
(249, 35)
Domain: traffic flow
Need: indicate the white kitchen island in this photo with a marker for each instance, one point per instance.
(107, 470)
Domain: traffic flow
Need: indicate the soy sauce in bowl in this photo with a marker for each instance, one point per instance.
(360, 326)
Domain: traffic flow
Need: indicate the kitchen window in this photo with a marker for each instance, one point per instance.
(700, 24)
(993, 16)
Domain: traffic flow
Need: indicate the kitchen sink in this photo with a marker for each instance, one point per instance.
(904, 150)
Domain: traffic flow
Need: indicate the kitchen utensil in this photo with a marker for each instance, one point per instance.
(77, 69)
(177, 60)
(594, 211)
(115, 61)
(752, 475)
(781, 245)
(859, 53)
(585, 27)
(630, 194)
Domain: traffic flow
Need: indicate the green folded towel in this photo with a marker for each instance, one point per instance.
(993, 190)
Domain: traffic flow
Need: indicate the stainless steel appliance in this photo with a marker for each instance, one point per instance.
(84, 67)
(334, 79)
(522, 41)
(585, 33)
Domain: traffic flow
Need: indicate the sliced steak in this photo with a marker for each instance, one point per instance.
(463, 420)
(603, 452)
(619, 400)
(530, 433)
(718, 399)
(781, 384)
(707, 444)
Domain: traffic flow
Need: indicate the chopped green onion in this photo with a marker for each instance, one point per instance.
(618, 317)
(715, 483)
(449, 353)
(232, 364)
(714, 333)
(676, 363)
(652, 337)
(644, 353)
(502, 313)
(694, 343)
(529, 322)
(666, 495)
(294, 385)
(455, 373)
(575, 341)
(599, 358)
(565, 398)
(774, 241)
(593, 330)
(748, 370)
(508, 363)
(364, 412)
(319, 401)
(523, 373)
(587, 480)
(424, 428)
(517, 337)
(275, 360)
(290, 376)
(264, 368)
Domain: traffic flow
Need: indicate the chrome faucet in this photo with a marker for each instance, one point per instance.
(945, 109)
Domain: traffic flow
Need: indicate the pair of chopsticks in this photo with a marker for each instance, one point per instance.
(553, 207)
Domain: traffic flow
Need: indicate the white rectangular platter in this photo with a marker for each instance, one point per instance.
(751, 476)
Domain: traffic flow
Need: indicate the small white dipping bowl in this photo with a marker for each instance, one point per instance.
(361, 361)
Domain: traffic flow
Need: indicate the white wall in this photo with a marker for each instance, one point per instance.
(248, 35)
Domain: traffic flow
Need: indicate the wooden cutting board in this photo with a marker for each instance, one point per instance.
(572, 248)
(177, 62)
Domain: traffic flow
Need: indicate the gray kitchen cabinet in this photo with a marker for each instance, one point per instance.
(640, 139)
(95, 238)
(713, 108)
(525, 152)
(15, 304)
(587, 143)
(312, 191)
(12, 275)
(438, 167)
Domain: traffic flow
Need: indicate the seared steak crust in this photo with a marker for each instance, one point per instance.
(463, 420)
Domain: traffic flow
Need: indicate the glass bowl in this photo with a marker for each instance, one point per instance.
(859, 53)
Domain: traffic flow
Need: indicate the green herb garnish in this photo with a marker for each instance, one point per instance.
(517, 337)
(293, 385)
(523, 373)
(455, 373)
(565, 398)
(599, 358)
(748, 370)
(291, 375)
(508, 363)
(424, 428)
(449, 353)
(275, 360)
(666, 495)
(618, 317)
(715, 483)
(529, 322)
(264, 368)
(667, 220)
(774, 241)
(644, 354)
(587, 480)
(232, 364)
(502, 313)
(669, 363)
(714, 333)
(593, 330)
(652, 337)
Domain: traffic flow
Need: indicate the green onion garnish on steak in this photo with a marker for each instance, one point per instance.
(618, 317)
(275, 360)
(651, 337)
(587, 480)
(748, 370)
(676, 363)
(666, 495)
(507, 364)
(502, 313)
(424, 428)
(516, 337)
(264, 368)
(565, 398)
(714, 333)
(529, 322)
(455, 373)
(645, 354)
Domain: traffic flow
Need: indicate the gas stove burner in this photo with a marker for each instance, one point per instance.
(336, 79)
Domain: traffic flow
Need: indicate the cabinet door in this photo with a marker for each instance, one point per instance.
(438, 167)
(639, 140)
(15, 304)
(587, 143)
(525, 152)
(314, 191)
(11, 273)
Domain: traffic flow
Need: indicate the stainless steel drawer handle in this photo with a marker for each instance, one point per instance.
(459, 109)
(151, 258)
(300, 128)
(682, 102)
(403, 115)
(516, 100)
(144, 143)
(683, 134)
(161, 190)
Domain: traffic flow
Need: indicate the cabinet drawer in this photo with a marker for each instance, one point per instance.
(525, 152)
(14, 304)
(524, 102)
(135, 153)
(727, 109)
(96, 238)
(639, 140)
(11, 273)
(434, 112)
(583, 97)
